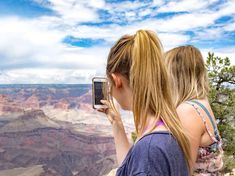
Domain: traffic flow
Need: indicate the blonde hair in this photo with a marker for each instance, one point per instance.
(188, 74)
(139, 58)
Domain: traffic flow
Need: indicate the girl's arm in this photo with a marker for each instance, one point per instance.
(121, 141)
(194, 127)
(122, 144)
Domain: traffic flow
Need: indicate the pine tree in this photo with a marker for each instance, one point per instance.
(222, 98)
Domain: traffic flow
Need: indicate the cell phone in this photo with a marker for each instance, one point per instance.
(99, 91)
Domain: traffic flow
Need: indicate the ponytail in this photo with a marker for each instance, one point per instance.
(147, 56)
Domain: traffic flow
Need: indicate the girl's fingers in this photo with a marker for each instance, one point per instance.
(100, 110)
(105, 102)
(109, 111)
(104, 110)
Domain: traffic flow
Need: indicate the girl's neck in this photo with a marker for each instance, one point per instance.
(152, 125)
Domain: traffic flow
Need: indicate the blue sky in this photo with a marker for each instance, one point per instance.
(67, 41)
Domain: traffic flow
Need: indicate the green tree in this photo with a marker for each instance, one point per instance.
(222, 98)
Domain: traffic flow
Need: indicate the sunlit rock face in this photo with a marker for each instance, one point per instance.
(52, 130)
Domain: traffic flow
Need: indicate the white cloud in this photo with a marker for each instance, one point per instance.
(32, 48)
(132, 12)
(27, 40)
(123, 6)
(227, 8)
(209, 34)
(96, 3)
(198, 16)
(229, 27)
(47, 76)
(186, 5)
(145, 12)
(170, 40)
(158, 3)
(113, 32)
(126, 11)
(74, 11)
(28, 44)
(186, 22)
(33, 51)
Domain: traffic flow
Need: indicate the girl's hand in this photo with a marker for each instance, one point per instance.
(120, 139)
(112, 114)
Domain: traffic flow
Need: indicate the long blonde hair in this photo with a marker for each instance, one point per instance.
(139, 58)
(188, 74)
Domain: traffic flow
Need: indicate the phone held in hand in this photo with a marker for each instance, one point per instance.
(99, 91)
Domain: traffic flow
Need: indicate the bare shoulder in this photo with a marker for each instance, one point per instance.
(189, 117)
(186, 110)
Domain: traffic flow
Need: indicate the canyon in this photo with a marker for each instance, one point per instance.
(52, 130)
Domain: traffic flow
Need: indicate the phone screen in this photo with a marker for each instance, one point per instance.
(99, 93)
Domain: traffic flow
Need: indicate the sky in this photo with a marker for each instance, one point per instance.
(67, 41)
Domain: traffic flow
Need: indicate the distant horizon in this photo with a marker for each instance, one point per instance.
(46, 84)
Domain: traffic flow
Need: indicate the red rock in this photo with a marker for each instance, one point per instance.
(32, 102)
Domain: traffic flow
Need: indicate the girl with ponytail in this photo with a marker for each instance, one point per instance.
(139, 82)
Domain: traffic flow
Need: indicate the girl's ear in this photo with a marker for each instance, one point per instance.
(117, 80)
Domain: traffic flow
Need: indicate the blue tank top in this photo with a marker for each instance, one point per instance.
(157, 153)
